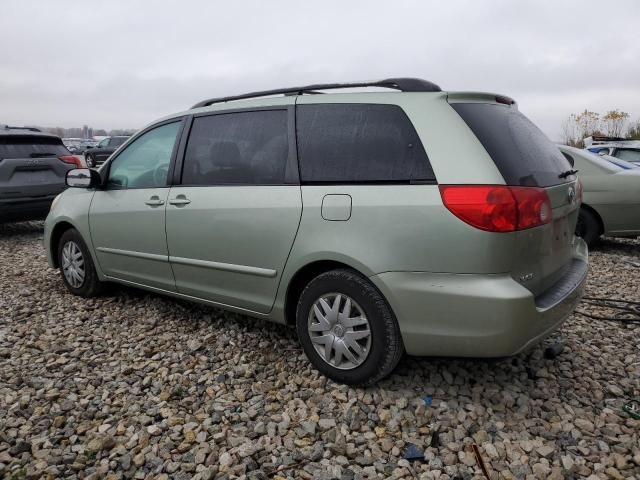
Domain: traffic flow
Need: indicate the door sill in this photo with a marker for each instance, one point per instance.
(191, 298)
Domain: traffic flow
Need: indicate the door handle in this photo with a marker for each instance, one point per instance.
(154, 201)
(180, 200)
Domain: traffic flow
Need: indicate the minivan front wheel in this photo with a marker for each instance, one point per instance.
(76, 265)
(347, 329)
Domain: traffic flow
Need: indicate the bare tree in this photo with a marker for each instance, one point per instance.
(613, 123)
(570, 134)
(588, 123)
(578, 126)
(633, 132)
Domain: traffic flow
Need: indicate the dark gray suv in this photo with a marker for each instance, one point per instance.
(33, 166)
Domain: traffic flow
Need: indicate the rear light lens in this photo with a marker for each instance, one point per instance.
(534, 206)
(498, 208)
(71, 159)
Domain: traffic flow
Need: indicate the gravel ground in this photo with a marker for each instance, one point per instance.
(134, 385)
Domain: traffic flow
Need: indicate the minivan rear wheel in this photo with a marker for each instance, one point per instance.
(347, 329)
(76, 266)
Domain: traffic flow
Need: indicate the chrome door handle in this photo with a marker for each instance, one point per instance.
(180, 200)
(154, 201)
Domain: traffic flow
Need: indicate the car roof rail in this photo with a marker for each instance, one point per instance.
(31, 129)
(402, 84)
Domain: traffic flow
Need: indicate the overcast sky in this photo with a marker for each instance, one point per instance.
(121, 64)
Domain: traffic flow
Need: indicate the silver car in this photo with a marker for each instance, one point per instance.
(611, 202)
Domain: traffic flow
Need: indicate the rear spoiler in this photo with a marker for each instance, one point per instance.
(480, 97)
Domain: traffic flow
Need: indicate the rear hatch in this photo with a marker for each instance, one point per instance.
(525, 157)
(30, 166)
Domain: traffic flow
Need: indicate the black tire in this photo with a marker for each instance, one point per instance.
(386, 347)
(90, 286)
(588, 227)
(90, 161)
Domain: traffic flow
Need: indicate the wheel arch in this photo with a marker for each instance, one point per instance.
(56, 233)
(301, 279)
(595, 213)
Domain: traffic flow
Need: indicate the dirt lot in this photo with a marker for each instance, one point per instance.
(134, 385)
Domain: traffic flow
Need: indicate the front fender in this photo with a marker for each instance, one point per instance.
(71, 210)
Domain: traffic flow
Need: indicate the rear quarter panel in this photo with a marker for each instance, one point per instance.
(616, 198)
(396, 228)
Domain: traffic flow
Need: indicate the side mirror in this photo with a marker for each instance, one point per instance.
(83, 178)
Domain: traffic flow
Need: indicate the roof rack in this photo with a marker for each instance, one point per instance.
(31, 129)
(402, 84)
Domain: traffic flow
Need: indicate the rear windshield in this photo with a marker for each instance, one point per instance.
(30, 146)
(523, 154)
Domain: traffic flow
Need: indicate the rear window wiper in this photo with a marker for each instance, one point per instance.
(46, 154)
(567, 173)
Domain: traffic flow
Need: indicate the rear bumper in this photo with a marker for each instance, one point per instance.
(469, 315)
(25, 208)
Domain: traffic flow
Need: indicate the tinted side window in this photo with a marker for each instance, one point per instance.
(237, 148)
(144, 163)
(523, 154)
(352, 143)
(117, 141)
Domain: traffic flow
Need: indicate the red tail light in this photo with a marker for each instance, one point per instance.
(498, 208)
(72, 159)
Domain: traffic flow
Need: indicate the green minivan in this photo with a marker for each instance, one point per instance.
(404, 219)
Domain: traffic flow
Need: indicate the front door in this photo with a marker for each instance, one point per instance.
(127, 218)
(232, 221)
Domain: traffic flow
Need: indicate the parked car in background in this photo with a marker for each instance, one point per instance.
(619, 162)
(376, 223)
(97, 155)
(33, 166)
(628, 150)
(611, 202)
(82, 146)
(71, 142)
